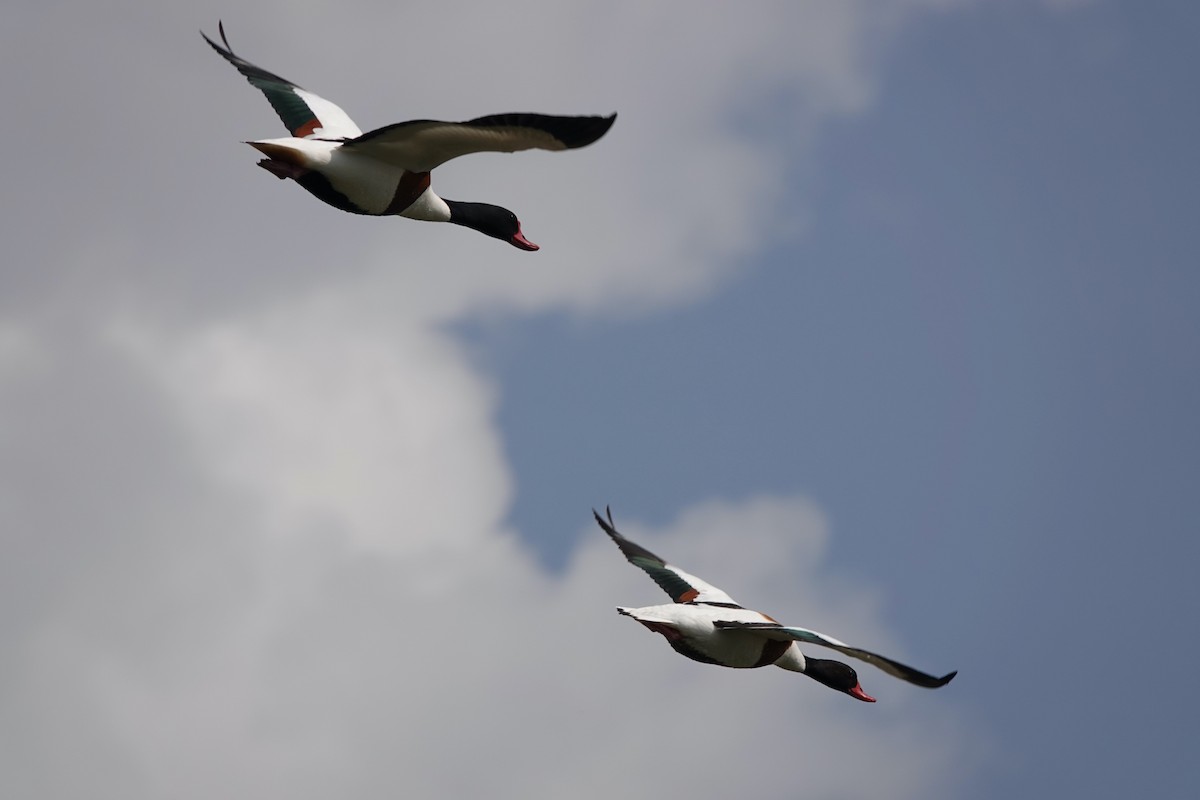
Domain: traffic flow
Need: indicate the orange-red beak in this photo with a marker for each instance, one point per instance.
(857, 692)
(518, 240)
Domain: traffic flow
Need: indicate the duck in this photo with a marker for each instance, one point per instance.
(385, 172)
(705, 624)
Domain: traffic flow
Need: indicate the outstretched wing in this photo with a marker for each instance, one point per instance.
(895, 668)
(422, 144)
(682, 587)
(304, 113)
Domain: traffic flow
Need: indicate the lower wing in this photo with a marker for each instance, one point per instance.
(895, 668)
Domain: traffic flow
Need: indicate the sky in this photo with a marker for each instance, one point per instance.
(877, 314)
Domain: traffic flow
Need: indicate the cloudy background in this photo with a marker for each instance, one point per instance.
(881, 315)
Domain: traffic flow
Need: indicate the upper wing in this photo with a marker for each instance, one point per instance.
(422, 144)
(901, 671)
(304, 113)
(682, 587)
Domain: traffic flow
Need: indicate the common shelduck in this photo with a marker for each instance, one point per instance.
(706, 625)
(386, 171)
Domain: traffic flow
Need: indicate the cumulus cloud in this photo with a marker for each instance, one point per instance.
(253, 491)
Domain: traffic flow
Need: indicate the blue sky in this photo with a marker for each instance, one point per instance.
(880, 315)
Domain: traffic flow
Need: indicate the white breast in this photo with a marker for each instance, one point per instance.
(428, 207)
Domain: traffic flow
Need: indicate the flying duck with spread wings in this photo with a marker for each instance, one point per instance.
(386, 171)
(707, 625)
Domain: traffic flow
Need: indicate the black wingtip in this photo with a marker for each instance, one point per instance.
(585, 130)
(571, 132)
(221, 31)
(630, 550)
(942, 681)
(608, 526)
(928, 681)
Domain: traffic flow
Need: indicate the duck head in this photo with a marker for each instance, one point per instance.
(836, 675)
(490, 220)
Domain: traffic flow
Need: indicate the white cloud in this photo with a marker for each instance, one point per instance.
(480, 675)
(257, 492)
(373, 428)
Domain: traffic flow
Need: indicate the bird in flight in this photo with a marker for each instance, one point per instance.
(706, 625)
(386, 171)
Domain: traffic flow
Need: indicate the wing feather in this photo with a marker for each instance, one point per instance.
(422, 144)
(682, 587)
(304, 113)
(891, 667)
